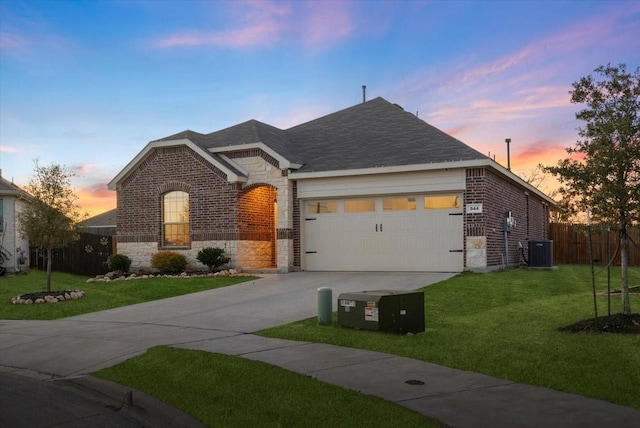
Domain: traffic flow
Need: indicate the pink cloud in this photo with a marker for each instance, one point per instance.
(458, 130)
(264, 23)
(83, 168)
(13, 42)
(498, 66)
(260, 34)
(98, 190)
(9, 149)
(325, 23)
(539, 148)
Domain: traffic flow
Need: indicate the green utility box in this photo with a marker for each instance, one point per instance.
(382, 310)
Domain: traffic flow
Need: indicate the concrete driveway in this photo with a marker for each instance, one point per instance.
(87, 343)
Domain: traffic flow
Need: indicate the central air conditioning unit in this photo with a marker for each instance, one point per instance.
(540, 253)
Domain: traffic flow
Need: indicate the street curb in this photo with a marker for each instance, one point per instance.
(145, 408)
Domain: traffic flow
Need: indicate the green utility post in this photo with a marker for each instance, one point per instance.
(324, 306)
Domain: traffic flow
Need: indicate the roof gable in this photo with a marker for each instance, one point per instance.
(232, 173)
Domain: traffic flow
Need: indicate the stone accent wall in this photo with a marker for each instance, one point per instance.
(498, 195)
(141, 253)
(284, 252)
(254, 254)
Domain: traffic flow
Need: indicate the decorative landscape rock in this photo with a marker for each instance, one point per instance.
(112, 276)
(47, 297)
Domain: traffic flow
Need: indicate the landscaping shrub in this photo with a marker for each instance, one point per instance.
(212, 257)
(119, 262)
(169, 262)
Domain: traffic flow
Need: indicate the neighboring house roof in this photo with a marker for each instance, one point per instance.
(9, 189)
(106, 219)
(102, 224)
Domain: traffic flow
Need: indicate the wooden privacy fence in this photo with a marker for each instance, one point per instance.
(87, 256)
(571, 244)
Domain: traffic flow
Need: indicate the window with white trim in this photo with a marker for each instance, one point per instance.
(175, 219)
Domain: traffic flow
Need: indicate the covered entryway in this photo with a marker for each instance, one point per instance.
(390, 233)
(257, 212)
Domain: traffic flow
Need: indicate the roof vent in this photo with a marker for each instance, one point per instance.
(399, 106)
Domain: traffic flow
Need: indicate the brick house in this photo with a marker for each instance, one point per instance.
(367, 188)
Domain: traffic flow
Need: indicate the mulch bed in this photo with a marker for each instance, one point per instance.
(616, 323)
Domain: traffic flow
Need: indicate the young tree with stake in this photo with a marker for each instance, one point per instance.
(603, 170)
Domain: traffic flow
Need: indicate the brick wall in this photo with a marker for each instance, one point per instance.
(212, 200)
(295, 204)
(498, 195)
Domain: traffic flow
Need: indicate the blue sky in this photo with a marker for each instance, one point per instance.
(88, 84)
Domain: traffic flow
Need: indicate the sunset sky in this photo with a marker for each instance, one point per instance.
(88, 84)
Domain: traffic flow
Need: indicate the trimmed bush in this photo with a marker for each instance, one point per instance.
(212, 257)
(169, 262)
(119, 263)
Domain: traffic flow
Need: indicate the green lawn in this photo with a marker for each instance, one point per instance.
(98, 295)
(505, 324)
(226, 391)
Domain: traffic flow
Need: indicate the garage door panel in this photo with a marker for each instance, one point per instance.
(415, 240)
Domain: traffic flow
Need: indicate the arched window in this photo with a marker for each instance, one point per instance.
(175, 219)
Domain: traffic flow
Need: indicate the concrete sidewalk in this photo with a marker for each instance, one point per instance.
(222, 321)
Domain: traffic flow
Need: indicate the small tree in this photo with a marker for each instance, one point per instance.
(604, 173)
(212, 257)
(51, 213)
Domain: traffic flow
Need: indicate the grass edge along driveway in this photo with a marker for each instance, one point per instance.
(98, 295)
(505, 324)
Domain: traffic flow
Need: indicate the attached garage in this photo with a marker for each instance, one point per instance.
(399, 221)
(389, 233)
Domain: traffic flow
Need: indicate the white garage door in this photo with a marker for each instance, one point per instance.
(391, 233)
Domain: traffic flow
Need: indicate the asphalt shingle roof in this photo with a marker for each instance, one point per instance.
(372, 134)
(7, 188)
(107, 218)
